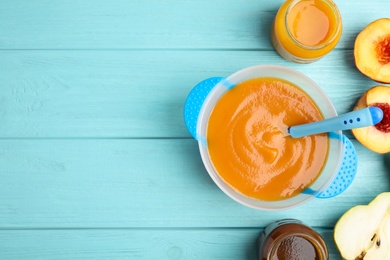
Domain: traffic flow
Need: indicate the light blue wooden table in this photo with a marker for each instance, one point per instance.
(95, 159)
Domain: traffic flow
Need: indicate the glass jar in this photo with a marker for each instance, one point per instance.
(306, 30)
(290, 239)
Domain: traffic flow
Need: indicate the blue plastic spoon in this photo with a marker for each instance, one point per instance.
(359, 118)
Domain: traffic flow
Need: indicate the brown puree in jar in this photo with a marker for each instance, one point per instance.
(291, 240)
(248, 143)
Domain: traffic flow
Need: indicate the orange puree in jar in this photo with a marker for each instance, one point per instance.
(306, 30)
(310, 22)
(248, 143)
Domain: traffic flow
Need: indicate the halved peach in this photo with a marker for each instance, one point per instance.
(376, 137)
(372, 50)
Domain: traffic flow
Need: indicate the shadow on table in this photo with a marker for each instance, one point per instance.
(265, 21)
(252, 247)
(386, 162)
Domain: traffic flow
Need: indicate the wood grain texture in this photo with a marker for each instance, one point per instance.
(136, 94)
(143, 183)
(95, 160)
(136, 244)
(156, 24)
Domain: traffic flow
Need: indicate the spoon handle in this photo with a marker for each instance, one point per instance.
(359, 118)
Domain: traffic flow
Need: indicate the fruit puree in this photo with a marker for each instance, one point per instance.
(248, 143)
(306, 30)
(310, 22)
(288, 239)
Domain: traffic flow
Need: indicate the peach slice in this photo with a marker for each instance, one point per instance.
(372, 50)
(376, 137)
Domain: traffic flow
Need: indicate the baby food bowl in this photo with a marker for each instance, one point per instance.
(341, 163)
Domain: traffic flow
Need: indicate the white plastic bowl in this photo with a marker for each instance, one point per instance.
(335, 153)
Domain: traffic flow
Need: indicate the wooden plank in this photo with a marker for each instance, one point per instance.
(134, 93)
(137, 244)
(95, 161)
(123, 183)
(158, 24)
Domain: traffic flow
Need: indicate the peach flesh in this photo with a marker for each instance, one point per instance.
(372, 50)
(383, 50)
(377, 137)
(384, 124)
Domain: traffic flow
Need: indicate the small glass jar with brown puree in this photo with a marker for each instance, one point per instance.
(290, 239)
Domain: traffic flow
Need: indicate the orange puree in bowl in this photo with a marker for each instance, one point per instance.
(248, 143)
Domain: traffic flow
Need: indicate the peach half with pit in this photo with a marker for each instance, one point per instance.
(376, 137)
(372, 50)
